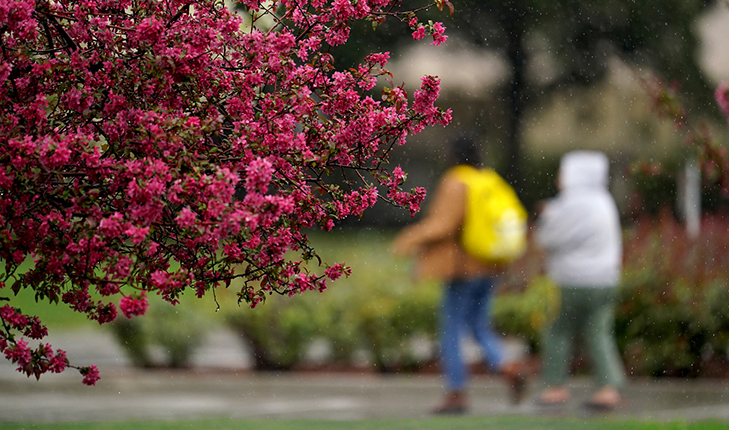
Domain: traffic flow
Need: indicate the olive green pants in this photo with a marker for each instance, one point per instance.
(590, 312)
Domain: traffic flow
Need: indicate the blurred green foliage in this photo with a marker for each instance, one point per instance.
(672, 318)
(673, 314)
(377, 310)
(526, 314)
(175, 331)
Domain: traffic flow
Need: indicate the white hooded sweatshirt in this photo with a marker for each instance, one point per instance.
(580, 228)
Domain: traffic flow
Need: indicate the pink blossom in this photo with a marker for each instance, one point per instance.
(18, 256)
(411, 201)
(380, 58)
(160, 279)
(328, 224)
(338, 36)
(105, 313)
(17, 17)
(398, 177)
(187, 218)
(438, 36)
(111, 226)
(419, 32)
(73, 99)
(342, 9)
(336, 271)
(13, 317)
(134, 305)
(79, 299)
(5, 69)
(137, 234)
(34, 329)
(108, 289)
(19, 353)
(120, 266)
(259, 173)
(150, 29)
(153, 248)
(6, 179)
(90, 374)
(58, 362)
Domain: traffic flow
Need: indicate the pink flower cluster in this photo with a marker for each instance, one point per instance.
(132, 306)
(29, 361)
(437, 30)
(424, 103)
(167, 146)
(30, 326)
(90, 374)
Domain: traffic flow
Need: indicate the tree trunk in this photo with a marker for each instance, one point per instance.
(516, 94)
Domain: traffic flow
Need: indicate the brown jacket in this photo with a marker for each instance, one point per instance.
(435, 239)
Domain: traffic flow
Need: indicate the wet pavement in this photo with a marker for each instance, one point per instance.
(221, 384)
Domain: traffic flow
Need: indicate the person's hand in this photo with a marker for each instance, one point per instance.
(403, 245)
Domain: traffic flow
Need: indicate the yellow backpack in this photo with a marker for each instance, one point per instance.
(495, 223)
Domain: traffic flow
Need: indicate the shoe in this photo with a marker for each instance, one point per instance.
(515, 376)
(455, 403)
(552, 397)
(600, 406)
(604, 400)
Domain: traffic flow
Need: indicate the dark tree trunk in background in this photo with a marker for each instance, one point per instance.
(515, 93)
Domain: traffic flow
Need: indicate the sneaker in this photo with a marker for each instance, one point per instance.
(515, 375)
(455, 403)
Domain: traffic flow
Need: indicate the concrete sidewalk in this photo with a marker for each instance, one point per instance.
(222, 385)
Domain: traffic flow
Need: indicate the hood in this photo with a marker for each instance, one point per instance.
(584, 169)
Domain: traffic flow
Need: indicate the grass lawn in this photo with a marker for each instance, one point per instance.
(447, 423)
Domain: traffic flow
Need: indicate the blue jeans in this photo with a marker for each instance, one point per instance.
(466, 308)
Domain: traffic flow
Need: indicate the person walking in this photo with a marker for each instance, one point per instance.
(581, 234)
(470, 281)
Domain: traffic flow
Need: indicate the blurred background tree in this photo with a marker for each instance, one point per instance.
(554, 50)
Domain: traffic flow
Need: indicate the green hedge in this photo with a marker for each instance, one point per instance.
(377, 310)
(672, 317)
(174, 331)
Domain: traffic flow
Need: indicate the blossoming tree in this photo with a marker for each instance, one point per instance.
(161, 146)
